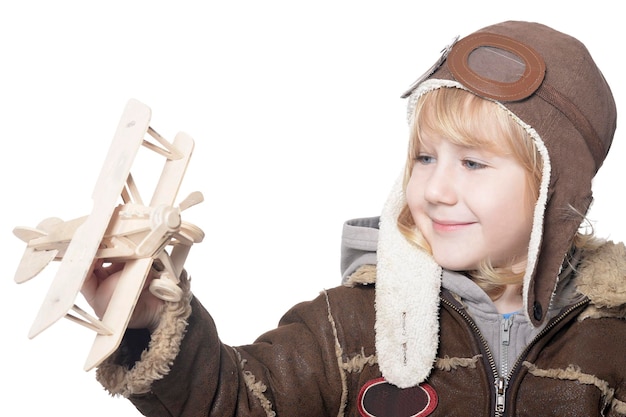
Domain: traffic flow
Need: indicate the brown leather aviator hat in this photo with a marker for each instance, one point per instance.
(550, 82)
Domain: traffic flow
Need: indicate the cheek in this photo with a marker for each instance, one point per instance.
(513, 214)
(413, 195)
(521, 200)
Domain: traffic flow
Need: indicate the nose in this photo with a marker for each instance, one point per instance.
(440, 186)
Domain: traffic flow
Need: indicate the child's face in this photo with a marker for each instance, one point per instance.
(470, 205)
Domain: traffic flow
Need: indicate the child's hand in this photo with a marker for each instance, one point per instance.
(98, 290)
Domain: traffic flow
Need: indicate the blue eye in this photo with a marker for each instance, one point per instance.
(424, 159)
(472, 165)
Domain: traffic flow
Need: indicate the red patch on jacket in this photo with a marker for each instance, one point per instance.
(378, 398)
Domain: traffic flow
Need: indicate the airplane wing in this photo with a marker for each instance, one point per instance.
(135, 272)
(80, 253)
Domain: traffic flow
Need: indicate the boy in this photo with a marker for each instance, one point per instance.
(481, 297)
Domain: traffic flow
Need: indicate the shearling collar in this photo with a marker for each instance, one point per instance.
(602, 278)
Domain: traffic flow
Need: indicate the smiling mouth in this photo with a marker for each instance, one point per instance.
(449, 226)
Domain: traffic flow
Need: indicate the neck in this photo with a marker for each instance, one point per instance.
(510, 300)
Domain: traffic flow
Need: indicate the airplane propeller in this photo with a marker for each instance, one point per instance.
(165, 221)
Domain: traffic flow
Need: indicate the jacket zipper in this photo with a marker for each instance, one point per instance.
(501, 382)
(500, 387)
(543, 332)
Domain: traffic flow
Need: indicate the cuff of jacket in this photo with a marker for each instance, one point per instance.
(158, 351)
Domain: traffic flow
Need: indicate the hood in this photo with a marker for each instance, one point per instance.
(561, 98)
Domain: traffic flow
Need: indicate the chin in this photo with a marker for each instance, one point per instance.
(455, 266)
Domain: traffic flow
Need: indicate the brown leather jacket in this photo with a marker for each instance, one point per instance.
(322, 360)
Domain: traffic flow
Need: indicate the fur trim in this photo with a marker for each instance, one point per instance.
(358, 362)
(407, 327)
(448, 364)
(256, 388)
(536, 234)
(364, 275)
(157, 359)
(602, 278)
(593, 312)
(574, 373)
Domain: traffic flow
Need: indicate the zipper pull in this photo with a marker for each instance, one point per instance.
(500, 395)
(506, 334)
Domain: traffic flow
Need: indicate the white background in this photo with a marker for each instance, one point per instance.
(298, 124)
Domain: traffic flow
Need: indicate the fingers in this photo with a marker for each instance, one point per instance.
(100, 285)
(102, 270)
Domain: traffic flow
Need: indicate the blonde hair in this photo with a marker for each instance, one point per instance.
(468, 120)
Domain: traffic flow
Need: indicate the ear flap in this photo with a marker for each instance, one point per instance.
(407, 301)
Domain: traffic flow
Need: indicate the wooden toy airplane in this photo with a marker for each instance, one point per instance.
(120, 228)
